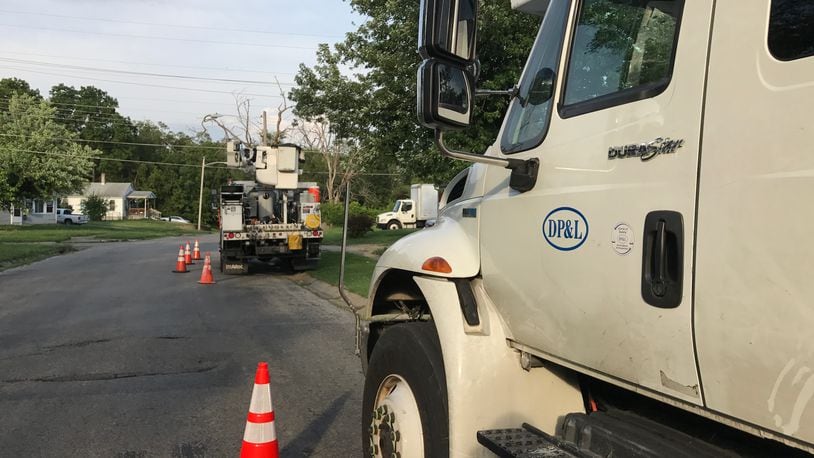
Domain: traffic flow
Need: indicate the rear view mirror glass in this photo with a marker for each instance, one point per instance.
(444, 95)
(447, 29)
(542, 87)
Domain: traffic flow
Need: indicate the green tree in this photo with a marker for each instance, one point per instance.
(95, 207)
(375, 106)
(11, 86)
(93, 115)
(38, 158)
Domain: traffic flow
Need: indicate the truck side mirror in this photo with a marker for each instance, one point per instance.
(447, 30)
(444, 95)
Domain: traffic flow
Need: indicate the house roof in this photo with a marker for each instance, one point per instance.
(141, 195)
(108, 189)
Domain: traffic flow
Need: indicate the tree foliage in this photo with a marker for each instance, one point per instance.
(92, 114)
(37, 156)
(374, 102)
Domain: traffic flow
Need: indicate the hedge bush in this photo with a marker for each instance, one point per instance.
(334, 214)
(95, 207)
(359, 224)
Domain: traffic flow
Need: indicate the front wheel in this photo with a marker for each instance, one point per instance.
(393, 225)
(404, 410)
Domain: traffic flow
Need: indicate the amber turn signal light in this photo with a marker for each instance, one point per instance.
(437, 264)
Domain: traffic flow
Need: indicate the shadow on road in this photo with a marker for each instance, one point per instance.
(303, 444)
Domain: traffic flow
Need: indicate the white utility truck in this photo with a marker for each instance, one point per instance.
(422, 206)
(627, 270)
(272, 218)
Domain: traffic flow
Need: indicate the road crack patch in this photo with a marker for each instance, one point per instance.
(81, 343)
(109, 376)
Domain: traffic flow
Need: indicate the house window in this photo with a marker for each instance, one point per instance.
(38, 206)
(49, 206)
(111, 205)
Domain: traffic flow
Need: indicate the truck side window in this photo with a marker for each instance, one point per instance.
(529, 113)
(621, 51)
(791, 29)
(407, 206)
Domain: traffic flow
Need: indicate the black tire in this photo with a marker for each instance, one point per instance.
(297, 264)
(68, 222)
(412, 352)
(393, 225)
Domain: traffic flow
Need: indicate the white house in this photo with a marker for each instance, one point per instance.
(32, 211)
(123, 202)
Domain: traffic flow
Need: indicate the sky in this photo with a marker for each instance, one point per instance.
(111, 44)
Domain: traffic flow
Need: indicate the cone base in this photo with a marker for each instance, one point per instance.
(180, 271)
(206, 282)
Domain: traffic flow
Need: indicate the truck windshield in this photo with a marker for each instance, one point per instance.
(529, 113)
(396, 206)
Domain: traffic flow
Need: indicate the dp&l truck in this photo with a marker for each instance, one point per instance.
(627, 270)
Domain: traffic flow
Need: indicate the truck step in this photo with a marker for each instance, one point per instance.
(525, 442)
(599, 434)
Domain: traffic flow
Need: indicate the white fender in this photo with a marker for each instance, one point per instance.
(453, 238)
(486, 387)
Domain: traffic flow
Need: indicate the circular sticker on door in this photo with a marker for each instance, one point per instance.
(622, 239)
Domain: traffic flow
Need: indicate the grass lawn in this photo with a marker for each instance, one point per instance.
(17, 254)
(333, 236)
(358, 270)
(103, 230)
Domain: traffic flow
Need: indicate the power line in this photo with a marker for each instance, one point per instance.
(177, 26)
(152, 64)
(65, 105)
(211, 91)
(161, 145)
(149, 74)
(176, 164)
(113, 159)
(138, 98)
(148, 37)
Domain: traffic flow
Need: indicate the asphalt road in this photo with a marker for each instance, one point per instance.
(105, 352)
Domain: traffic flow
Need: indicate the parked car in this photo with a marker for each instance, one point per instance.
(67, 216)
(176, 219)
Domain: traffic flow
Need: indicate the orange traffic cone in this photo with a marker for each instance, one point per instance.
(259, 438)
(206, 273)
(180, 264)
(196, 252)
(187, 255)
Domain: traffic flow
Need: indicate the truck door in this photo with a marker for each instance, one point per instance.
(754, 315)
(593, 266)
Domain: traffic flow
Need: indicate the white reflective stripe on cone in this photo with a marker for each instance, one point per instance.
(261, 399)
(259, 433)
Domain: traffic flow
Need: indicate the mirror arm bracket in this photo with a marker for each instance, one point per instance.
(524, 171)
(511, 93)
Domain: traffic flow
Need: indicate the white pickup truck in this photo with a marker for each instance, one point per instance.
(67, 216)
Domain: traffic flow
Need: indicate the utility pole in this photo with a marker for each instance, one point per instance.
(200, 195)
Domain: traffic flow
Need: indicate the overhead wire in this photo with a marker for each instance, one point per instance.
(151, 64)
(177, 164)
(148, 37)
(182, 26)
(147, 74)
(211, 91)
(118, 107)
(116, 142)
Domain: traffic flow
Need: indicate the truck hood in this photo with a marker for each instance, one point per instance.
(385, 217)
